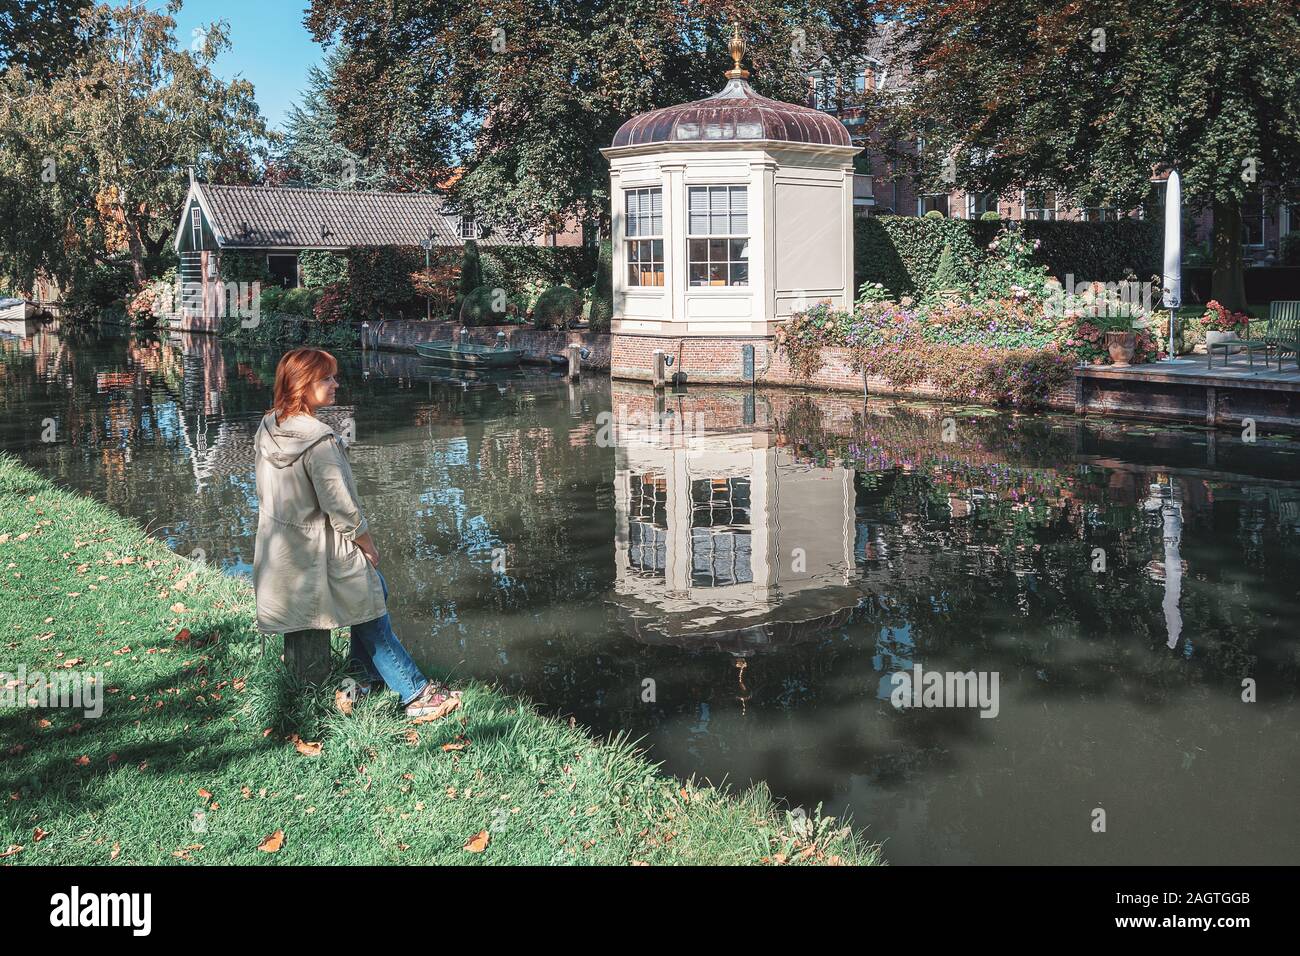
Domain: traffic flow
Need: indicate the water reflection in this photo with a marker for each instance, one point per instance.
(768, 560)
(723, 538)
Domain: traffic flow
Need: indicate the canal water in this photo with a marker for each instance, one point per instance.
(737, 577)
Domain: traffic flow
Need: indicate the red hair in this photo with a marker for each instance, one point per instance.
(297, 372)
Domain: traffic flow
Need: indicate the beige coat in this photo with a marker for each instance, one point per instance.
(307, 571)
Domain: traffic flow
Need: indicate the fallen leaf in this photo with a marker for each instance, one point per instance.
(82, 761)
(204, 794)
(184, 633)
(38, 835)
(117, 848)
(343, 702)
(272, 843)
(12, 851)
(413, 738)
(478, 842)
(308, 748)
(178, 608)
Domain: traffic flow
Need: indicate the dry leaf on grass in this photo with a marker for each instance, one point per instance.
(272, 843)
(205, 794)
(13, 850)
(478, 842)
(38, 835)
(343, 702)
(308, 748)
(117, 848)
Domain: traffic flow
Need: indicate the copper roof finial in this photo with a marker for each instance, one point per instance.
(737, 52)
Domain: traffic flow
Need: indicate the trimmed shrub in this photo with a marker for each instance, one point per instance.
(321, 268)
(935, 214)
(989, 216)
(513, 268)
(602, 301)
(484, 306)
(379, 280)
(559, 307)
(471, 271)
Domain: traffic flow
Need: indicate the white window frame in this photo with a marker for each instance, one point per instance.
(970, 205)
(473, 231)
(727, 237)
(1024, 206)
(196, 226)
(633, 232)
(947, 201)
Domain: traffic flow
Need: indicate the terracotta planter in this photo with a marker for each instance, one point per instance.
(1121, 346)
(1213, 338)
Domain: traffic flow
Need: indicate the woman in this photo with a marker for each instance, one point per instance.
(314, 563)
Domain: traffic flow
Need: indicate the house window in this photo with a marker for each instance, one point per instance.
(468, 227)
(644, 241)
(1040, 203)
(721, 537)
(977, 204)
(648, 524)
(1100, 214)
(718, 235)
(933, 201)
(196, 227)
(1252, 220)
(823, 93)
(284, 270)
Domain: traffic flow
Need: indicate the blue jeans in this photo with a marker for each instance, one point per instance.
(379, 655)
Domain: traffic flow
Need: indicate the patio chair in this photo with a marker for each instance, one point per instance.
(1280, 337)
(1283, 335)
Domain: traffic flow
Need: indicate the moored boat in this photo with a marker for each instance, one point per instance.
(467, 355)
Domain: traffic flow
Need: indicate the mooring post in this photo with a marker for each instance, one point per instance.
(575, 361)
(660, 374)
(307, 655)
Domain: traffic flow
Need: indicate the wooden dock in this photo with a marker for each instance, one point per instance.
(1184, 389)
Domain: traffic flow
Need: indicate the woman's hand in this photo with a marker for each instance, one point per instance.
(367, 546)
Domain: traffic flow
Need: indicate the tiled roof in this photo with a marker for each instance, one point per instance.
(737, 113)
(268, 217)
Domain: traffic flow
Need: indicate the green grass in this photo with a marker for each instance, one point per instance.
(209, 712)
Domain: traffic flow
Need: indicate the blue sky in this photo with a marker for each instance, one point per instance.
(269, 46)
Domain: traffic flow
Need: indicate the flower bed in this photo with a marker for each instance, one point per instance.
(1010, 339)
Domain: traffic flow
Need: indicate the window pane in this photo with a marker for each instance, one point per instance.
(740, 273)
(717, 250)
(699, 273)
(739, 249)
(699, 250)
(718, 224)
(657, 252)
(632, 274)
(718, 273)
(633, 252)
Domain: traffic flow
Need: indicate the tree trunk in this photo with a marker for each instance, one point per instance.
(1228, 281)
(136, 246)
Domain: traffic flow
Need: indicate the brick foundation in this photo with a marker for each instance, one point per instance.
(718, 360)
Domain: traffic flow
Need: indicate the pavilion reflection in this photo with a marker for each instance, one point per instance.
(723, 538)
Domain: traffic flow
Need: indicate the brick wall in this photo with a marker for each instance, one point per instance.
(717, 360)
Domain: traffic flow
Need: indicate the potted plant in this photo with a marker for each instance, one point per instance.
(1223, 326)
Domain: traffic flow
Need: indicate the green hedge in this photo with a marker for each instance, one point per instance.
(320, 268)
(902, 253)
(513, 267)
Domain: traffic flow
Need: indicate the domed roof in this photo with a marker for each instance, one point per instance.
(736, 113)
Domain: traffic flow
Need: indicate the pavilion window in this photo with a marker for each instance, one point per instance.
(196, 227)
(644, 236)
(718, 235)
(1040, 204)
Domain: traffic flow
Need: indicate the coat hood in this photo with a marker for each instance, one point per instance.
(284, 443)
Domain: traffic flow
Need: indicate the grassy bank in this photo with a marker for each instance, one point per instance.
(192, 759)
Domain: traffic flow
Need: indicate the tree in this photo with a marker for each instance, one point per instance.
(103, 148)
(40, 37)
(1093, 96)
(311, 154)
(523, 94)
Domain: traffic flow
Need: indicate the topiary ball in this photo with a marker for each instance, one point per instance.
(558, 307)
(479, 307)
